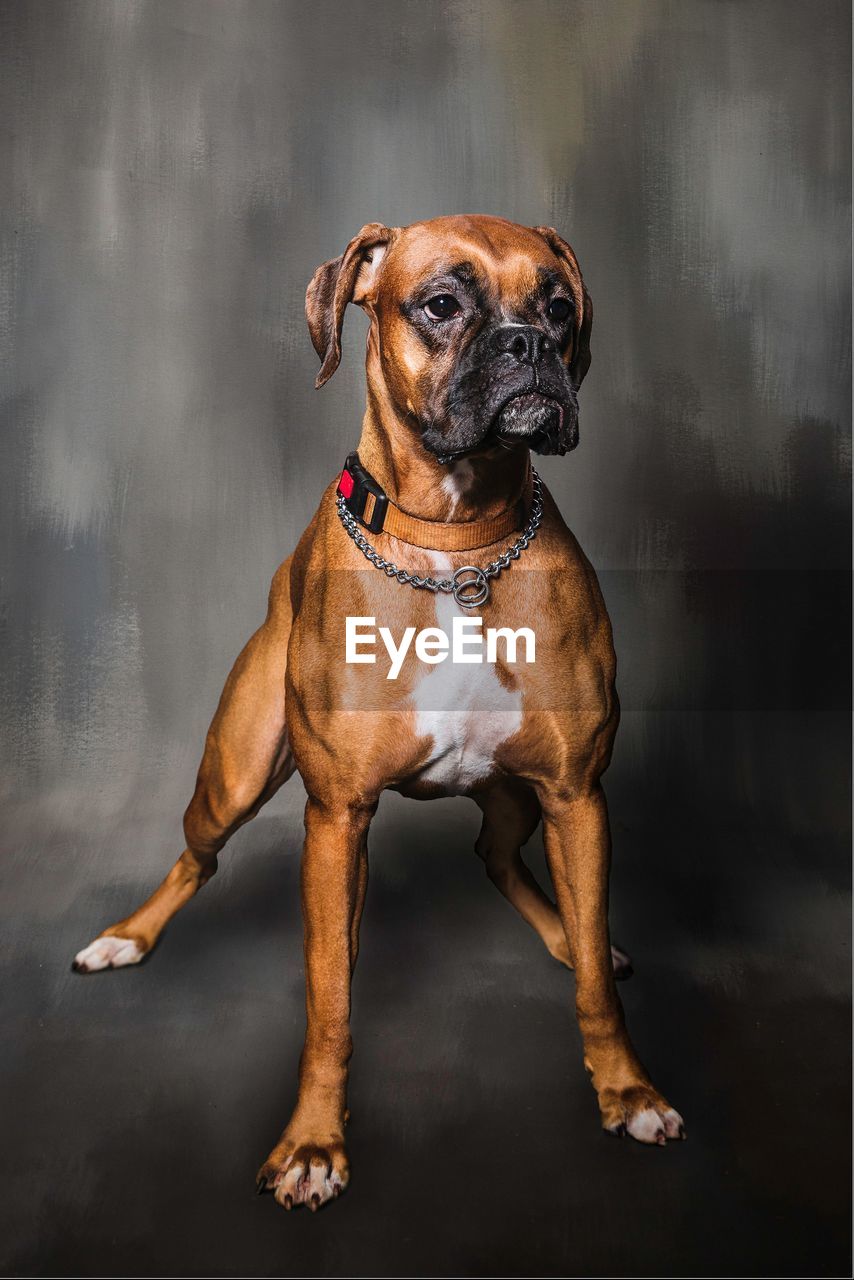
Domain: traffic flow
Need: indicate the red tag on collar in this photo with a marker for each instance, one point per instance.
(363, 497)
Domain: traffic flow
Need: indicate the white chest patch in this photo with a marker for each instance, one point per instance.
(457, 482)
(464, 709)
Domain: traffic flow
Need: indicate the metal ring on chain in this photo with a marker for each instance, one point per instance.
(469, 592)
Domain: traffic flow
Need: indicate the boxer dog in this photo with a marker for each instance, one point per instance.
(479, 339)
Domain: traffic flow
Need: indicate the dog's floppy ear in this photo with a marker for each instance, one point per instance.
(348, 278)
(583, 306)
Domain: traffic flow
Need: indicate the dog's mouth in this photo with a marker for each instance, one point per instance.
(531, 417)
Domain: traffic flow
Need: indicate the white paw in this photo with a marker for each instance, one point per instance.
(312, 1187)
(107, 953)
(640, 1111)
(312, 1175)
(650, 1125)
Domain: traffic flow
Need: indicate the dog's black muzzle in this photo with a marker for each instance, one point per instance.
(512, 388)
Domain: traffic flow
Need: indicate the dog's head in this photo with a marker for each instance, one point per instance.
(480, 330)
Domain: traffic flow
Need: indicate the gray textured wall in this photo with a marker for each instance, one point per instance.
(173, 170)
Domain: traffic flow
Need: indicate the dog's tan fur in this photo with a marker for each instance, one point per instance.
(290, 702)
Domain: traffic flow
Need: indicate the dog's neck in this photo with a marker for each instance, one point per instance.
(470, 488)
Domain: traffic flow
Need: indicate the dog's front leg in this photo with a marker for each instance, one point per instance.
(577, 841)
(309, 1163)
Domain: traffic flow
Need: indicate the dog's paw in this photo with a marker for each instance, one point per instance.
(641, 1113)
(107, 952)
(311, 1174)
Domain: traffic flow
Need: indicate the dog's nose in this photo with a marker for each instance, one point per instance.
(527, 343)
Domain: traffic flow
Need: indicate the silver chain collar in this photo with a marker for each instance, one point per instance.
(468, 591)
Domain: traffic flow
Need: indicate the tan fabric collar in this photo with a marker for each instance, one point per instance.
(368, 502)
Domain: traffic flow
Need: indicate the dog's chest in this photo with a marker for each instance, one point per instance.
(466, 712)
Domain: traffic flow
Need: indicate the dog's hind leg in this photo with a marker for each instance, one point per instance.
(246, 759)
(511, 815)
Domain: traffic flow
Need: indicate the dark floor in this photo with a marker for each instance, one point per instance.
(140, 1103)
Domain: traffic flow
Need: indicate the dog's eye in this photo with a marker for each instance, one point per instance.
(442, 307)
(559, 309)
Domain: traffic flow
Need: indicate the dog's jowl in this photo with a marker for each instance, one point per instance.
(479, 339)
